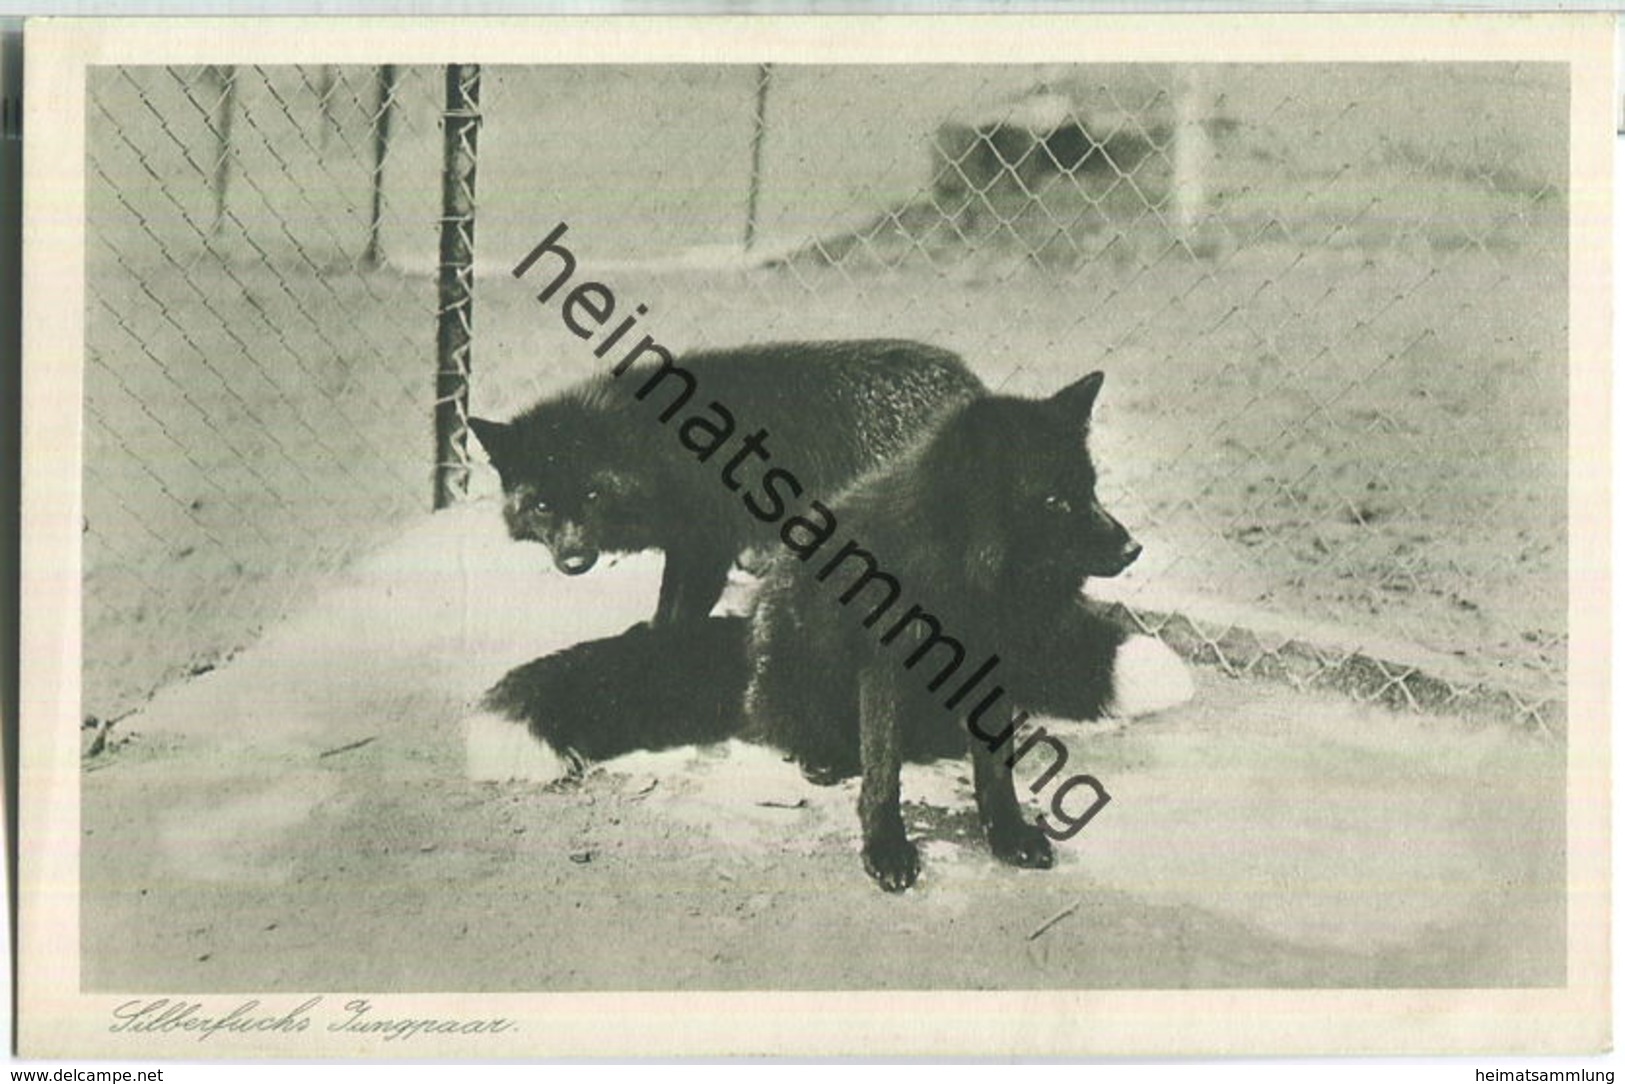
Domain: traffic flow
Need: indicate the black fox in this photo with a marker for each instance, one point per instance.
(618, 463)
(990, 526)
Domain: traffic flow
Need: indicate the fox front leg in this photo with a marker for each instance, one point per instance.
(889, 856)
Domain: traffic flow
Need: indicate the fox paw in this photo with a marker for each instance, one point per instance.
(1148, 677)
(1022, 845)
(894, 863)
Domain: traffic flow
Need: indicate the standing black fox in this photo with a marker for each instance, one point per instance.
(989, 526)
(598, 469)
(992, 527)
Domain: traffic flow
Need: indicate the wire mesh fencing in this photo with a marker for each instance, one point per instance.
(1330, 300)
(258, 376)
(1341, 298)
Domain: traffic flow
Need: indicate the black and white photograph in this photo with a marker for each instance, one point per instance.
(784, 521)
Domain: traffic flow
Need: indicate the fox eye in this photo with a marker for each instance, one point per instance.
(539, 505)
(592, 494)
(1057, 504)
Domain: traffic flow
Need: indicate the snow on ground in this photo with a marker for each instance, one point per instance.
(300, 818)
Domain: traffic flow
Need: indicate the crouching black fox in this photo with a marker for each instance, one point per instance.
(987, 531)
(601, 468)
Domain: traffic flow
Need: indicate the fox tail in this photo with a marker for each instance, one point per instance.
(646, 689)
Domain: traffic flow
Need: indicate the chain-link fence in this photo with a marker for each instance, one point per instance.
(257, 383)
(1331, 301)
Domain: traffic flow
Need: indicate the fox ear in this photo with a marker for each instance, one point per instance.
(1078, 399)
(493, 436)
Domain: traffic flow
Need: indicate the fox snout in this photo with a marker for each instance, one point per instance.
(1116, 549)
(1111, 560)
(1126, 555)
(567, 539)
(574, 562)
(571, 545)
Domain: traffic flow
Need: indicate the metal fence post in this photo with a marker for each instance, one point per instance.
(327, 81)
(373, 256)
(1193, 152)
(456, 316)
(764, 77)
(225, 110)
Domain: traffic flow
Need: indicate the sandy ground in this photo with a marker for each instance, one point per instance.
(299, 819)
